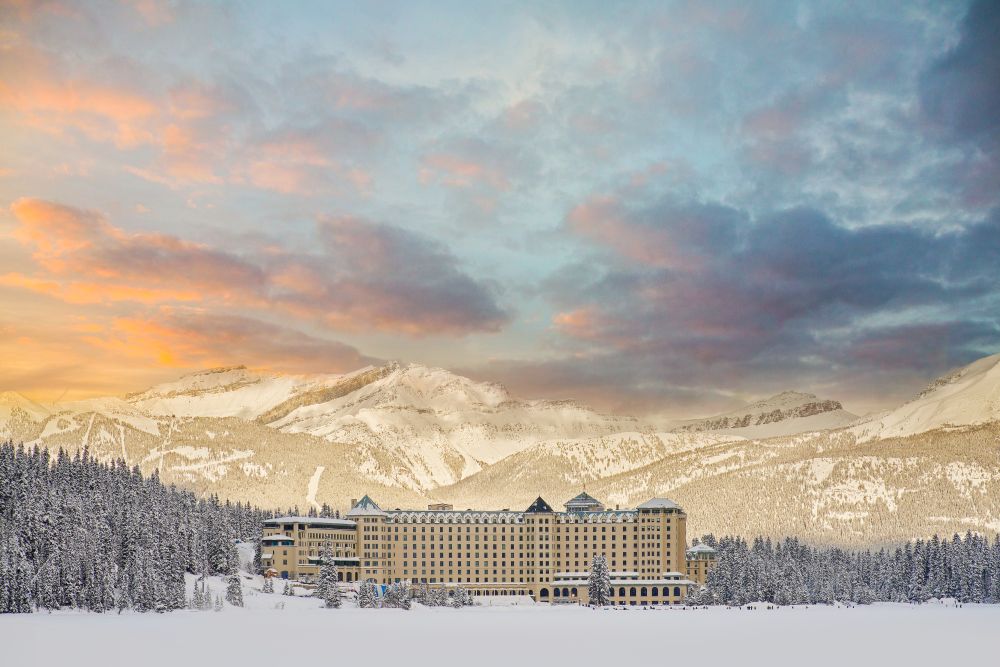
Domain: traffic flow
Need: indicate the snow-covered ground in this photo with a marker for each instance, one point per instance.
(303, 633)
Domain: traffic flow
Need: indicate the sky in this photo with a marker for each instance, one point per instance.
(661, 209)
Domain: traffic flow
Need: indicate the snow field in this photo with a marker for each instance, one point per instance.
(303, 633)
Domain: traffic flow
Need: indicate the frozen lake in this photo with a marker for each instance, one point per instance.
(302, 633)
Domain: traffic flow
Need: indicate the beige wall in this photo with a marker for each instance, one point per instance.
(507, 553)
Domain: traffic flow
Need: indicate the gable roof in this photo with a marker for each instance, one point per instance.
(701, 549)
(366, 507)
(538, 506)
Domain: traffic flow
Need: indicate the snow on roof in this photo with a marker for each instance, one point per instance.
(366, 507)
(312, 521)
(276, 538)
(267, 556)
(701, 549)
(659, 504)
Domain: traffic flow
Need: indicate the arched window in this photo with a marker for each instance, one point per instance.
(565, 592)
(544, 593)
(575, 593)
(621, 592)
(677, 591)
(555, 592)
(656, 591)
(631, 592)
(644, 591)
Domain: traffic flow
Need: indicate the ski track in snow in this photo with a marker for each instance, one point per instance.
(314, 486)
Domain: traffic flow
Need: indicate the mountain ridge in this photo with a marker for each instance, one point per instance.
(411, 434)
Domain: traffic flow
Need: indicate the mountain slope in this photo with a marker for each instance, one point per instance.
(786, 413)
(966, 396)
(408, 434)
(561, 468)
(440, 426)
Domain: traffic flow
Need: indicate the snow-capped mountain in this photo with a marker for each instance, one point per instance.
(408, 434)
(786, 413)
(401, 426)
(964, 397)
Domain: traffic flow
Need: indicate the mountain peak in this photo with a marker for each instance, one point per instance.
(966, 396)
(782, 414)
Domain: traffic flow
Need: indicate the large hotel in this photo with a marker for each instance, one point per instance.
(538, 552)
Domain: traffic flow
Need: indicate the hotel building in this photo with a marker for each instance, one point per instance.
(538, 552)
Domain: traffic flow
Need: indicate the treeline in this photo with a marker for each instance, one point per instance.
(78, 533)
(789, 572)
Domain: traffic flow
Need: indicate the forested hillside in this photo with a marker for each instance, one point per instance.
(75, 532)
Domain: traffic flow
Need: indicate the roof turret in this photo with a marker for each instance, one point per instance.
(539, 507)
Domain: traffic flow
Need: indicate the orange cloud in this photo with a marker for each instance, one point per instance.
(362, 276)
(77, 247)
(462, 172)
(101, 112)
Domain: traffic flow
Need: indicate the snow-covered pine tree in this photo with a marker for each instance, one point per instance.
(218, 603)
(327, 588)
(206, 597)
(461, 598)
(197, 598)
(599, 582)
(367, 599)
(234, 589)
(397, 595)
(268, 585)
(288, 590)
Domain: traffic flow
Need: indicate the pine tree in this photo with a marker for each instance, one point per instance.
(288, 590)
(461, 598)
(599, 583)
(197, 598)
(397, 595)
(367, 599)
(268, 585)
(234, 589)
(218, 603)
(327, 589)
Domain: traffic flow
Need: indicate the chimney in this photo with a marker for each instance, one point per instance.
(354, 501)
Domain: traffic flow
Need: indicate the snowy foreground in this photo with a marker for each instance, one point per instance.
(302, 633)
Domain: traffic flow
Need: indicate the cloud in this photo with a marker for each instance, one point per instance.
(367, 275)
(961, 91)
(395, 278)
(69, 356)
(699, 295)
(198, 339)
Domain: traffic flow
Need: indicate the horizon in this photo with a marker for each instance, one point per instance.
(635, 206)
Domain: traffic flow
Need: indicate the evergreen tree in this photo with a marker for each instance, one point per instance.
(327, 589)
(397, 595)
(268, 585)
(234, 589)
(599, 582)
(367, 598)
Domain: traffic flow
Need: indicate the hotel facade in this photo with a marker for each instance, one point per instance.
(537, 552)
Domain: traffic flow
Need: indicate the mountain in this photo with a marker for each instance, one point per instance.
(562, 467)
(786, 413)
(441, 427)
(967, 396)
(403, 429)
(409, 434)
(18, 415)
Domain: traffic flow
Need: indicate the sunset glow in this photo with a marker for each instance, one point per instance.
(640, 206)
